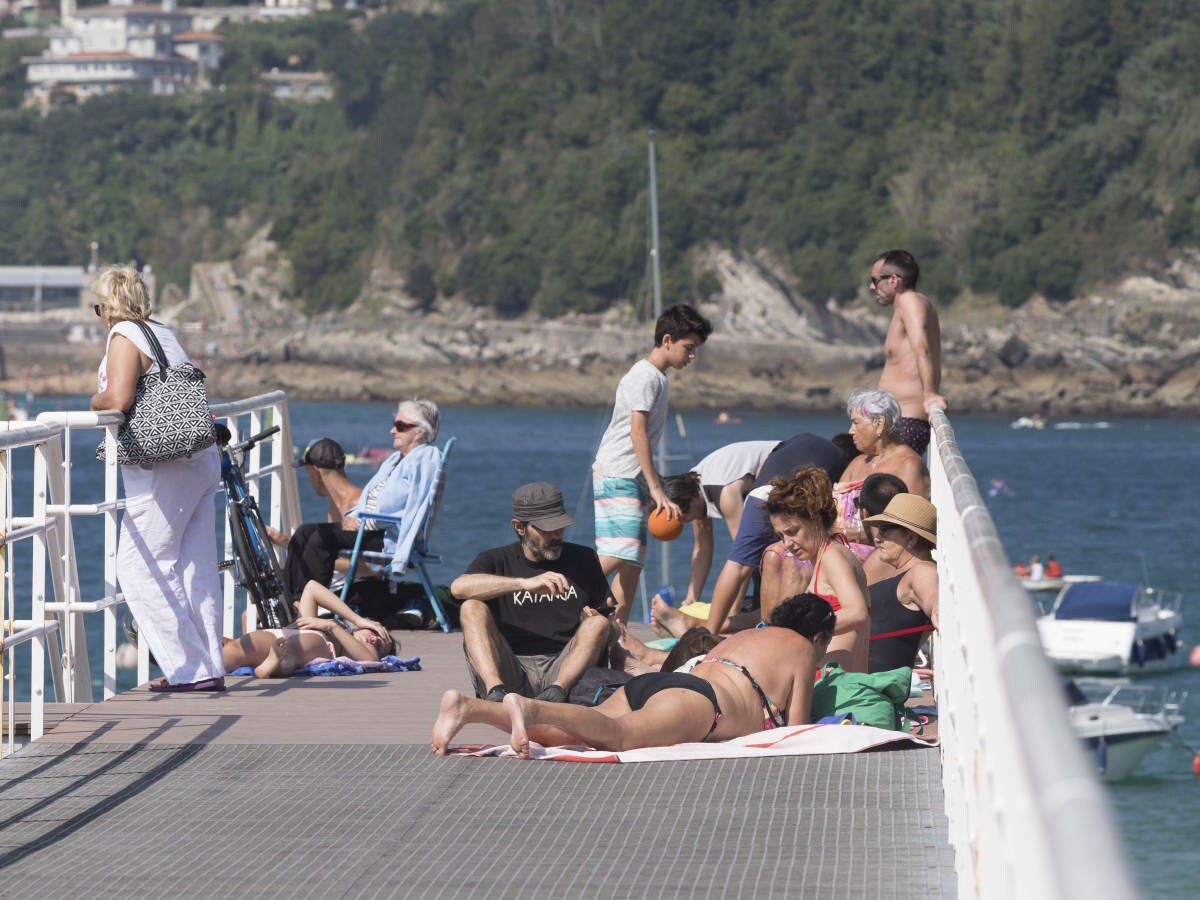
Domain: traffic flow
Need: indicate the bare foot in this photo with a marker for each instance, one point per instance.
(451, 718)
(268, 667)
(521, 716)
(279, 662)
(676, 622)
(288, 661)
(626, 652)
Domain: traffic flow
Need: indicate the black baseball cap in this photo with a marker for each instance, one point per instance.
(324, 453)
(541, 505)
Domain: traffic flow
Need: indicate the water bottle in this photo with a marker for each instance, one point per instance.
(667, 593)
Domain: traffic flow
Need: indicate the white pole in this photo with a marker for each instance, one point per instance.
(664, 554)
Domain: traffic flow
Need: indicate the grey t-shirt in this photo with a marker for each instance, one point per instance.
(643, 389)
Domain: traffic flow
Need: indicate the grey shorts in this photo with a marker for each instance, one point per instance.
(524, 675)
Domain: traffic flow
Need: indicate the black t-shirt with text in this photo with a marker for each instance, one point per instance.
(540, 623)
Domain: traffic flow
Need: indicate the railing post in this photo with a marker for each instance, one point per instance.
(37, 663)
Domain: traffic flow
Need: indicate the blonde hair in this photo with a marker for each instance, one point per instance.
(122, 293)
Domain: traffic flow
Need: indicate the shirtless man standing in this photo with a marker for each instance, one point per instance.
(912, 368)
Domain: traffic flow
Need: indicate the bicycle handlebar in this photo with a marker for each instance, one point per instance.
(249, 442)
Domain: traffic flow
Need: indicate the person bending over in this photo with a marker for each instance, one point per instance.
(278, 652)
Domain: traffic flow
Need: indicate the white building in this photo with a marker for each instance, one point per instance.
(122, 47)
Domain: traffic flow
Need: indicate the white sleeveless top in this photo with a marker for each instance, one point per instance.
(171, 347)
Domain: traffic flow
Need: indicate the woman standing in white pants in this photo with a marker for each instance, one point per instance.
(167, 557)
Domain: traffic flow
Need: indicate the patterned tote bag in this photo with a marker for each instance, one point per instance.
(170, 418)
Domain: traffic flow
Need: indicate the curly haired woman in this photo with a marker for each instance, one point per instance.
(803, 513)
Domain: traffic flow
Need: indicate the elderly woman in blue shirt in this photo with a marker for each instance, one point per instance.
(402, 486)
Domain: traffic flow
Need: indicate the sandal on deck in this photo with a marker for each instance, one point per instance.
(162, 686)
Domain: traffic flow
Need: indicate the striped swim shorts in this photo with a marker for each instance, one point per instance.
(621, 508)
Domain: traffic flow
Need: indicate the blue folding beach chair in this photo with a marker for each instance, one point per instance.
(421, 555)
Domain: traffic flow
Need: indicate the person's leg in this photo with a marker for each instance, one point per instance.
(733, 500)
(198, 562)
(621, 506)
(313, 549)
(490, 660)
(581, 653)
(248, 650)
(753, 537)
(457, 710)
(293, 651)
(672, 716)
(160, 504)
(624, 585)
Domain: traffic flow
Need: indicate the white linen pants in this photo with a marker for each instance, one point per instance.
(167, 564)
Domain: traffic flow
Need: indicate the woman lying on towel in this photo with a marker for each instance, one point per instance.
(753, 681)
(278, 652)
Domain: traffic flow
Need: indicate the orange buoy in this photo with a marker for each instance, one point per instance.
(663, 527)
(1194, 659)
(1196, 764)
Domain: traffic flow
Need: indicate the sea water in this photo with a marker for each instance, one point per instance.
(1115, 499)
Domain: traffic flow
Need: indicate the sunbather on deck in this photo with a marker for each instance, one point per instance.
(278, 652)
(720, 700)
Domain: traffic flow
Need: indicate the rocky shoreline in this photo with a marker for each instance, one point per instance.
(1130, 351)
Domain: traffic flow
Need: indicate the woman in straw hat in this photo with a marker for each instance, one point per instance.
(904, 607)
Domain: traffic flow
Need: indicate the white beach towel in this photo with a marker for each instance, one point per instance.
(801, 740)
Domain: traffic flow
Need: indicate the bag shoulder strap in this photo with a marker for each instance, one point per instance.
(159, 355)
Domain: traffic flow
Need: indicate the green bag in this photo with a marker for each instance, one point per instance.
(875, 699)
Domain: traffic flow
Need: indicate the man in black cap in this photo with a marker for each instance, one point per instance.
(525, 619)
(324, 461)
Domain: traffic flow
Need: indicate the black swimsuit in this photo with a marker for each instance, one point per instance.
(640, 689)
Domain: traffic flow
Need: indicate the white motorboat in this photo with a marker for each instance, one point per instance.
(1112, 627)
(1055, 583)
(1125, 725)
(1034, 421)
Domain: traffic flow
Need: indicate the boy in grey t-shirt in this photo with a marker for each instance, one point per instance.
(624, 479)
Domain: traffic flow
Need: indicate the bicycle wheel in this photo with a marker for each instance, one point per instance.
(258, 566)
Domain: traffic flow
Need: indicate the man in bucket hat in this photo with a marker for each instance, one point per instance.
(527, 628)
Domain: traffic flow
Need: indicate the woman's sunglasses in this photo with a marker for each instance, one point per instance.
(403, 426)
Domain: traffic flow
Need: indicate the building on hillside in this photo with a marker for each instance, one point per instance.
(208, 18)
(305, 87)
(40, 288)
(122, 46)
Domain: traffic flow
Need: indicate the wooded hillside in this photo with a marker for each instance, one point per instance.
(497, 151)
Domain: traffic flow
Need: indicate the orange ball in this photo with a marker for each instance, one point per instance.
(663, 527)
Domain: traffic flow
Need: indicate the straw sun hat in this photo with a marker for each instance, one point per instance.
(912, 512)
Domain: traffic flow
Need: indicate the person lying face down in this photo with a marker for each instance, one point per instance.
(761, 679)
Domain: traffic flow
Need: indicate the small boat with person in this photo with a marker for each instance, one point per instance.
(1112, 627)
(1122, 727)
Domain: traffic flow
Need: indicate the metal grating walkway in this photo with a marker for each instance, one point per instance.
(217, 815)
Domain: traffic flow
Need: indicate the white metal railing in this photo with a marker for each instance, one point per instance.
(1028, 817)
(55, 524)
(35, 528)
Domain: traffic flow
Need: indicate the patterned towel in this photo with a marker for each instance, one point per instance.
(801, 740)
(344, 665)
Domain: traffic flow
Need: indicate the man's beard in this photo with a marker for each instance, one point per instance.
(542, 552)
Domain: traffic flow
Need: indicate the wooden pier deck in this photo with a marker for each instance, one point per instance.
(325, 787)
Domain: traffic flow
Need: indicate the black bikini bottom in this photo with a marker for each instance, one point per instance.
(640, 689)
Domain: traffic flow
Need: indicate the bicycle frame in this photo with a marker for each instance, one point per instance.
(254, 555)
